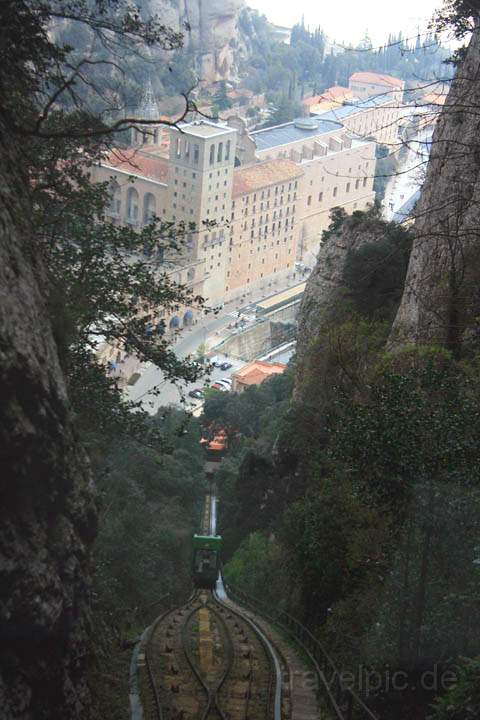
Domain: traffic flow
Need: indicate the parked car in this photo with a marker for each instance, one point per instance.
(215, 361)
(197, 393)
(225, 366)
(225, 381)
(221, 384)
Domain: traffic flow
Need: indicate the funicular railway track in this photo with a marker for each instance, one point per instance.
(206, 661)
(214, 660)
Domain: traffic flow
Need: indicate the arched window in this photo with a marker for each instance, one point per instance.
(115, 199)
(220, 152)
(227, 150)
(149, 207)
(132, 205)
(190, 274)
(212, 154)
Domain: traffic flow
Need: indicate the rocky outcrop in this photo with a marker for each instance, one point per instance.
(440, 299)
(325, 288)
(47, 520)
(212, 32)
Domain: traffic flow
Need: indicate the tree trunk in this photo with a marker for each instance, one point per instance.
(47, 518)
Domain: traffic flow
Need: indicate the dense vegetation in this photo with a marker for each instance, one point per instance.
(357, 498)
(306, 65)
(150, 506)
(100, 283)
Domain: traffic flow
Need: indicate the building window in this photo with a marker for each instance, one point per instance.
(132, 204)
(309, 200)
(177, 147)
(212, 154)
(364, 182)
(357, 184)
(227, 150)
(335, 190)
(348, 187)
(320, 197)
(149, 207)
(220, 152)
(115, 198)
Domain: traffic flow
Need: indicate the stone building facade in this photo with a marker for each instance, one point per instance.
(247, 222)
(369, 84)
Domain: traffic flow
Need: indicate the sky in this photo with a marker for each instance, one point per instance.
(347, 20)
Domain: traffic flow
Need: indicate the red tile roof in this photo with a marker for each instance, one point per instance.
(254, 177)
(313, 100)
(257, 372)
(336, 92)
(376, 79)
(136, 162)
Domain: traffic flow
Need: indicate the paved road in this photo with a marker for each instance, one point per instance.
(168, 393)
(207, 331)
(409, 176)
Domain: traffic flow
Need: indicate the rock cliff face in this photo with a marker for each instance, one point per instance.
(212, 32)
(325, 288)
(440, 289)
(47, 520)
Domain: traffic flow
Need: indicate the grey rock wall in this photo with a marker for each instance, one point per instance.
(213, 33)
(447, 225)
(325, 290)
(47, 519)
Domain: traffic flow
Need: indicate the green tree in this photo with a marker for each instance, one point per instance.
(284, 111)
(220, 97)
(374, 274)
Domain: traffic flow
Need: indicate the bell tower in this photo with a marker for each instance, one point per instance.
(202, 157)
(146, 110)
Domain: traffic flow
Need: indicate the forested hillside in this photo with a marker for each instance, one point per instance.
(361, 508)
(350, 493)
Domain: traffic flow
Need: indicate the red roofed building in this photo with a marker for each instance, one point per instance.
(368, 84)
(265, 224)
(255, 373)
(139, 163)
(134, 203)
(330, 98)
(255, 177)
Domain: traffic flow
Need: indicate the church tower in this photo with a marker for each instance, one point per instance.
(202, 157)
(146, 110)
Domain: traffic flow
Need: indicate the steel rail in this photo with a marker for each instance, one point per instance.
(270, 651)
(326, 670)
(151, 632)
(212, 700)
